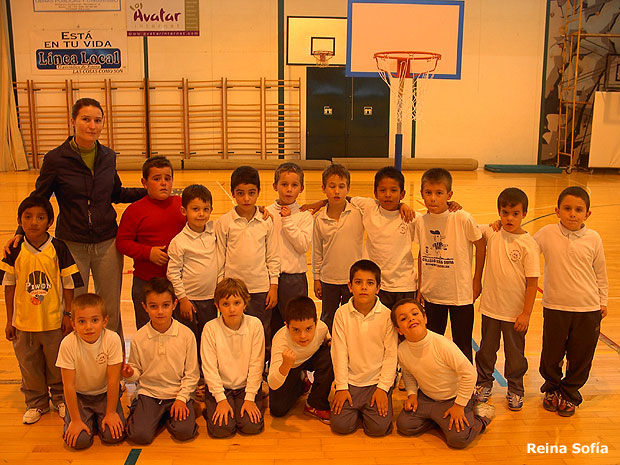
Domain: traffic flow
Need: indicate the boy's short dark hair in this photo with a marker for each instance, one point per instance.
(391, 173)
(300, 308)
(401, 302)
(288, 167)
(365, 265)
(196, 191)
(158, 286)
(575, 191)
(36, 201)
(244, 175)
(511, 197)
(155, 162)
(437, 175)
(335, 169)
(231, 286)
(88, 300)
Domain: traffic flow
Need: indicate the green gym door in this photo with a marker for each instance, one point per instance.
(345, 117)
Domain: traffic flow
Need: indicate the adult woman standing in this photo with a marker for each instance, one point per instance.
(82, 174)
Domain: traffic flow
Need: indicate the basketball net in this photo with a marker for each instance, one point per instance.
(322, 57)
(397, 67)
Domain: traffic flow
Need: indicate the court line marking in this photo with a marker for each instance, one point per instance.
(132, 457)
(232, 200)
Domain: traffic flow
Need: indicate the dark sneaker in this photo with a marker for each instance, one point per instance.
(515, 401)
(482, 393)
(566, 408)
(551, 401)
(322, 415)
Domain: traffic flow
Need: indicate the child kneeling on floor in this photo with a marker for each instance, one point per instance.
(439, 380)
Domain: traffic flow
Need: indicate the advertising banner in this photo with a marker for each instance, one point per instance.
(162, 18)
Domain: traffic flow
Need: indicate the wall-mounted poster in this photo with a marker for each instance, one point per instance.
(78, 51)
(76, 5)
(162, 18)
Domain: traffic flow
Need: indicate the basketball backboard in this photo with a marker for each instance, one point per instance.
(405, 25)
(307, 34)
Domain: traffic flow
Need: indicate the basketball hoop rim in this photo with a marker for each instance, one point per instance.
(405, 58)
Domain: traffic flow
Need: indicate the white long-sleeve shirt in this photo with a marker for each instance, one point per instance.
(192, 266)
(364, 347)
(165, 365)
(336, 245)
(248, 250)
(438, 367)
(282, 341)
(294, 233)
(233, 359)
(388, 244)
(575, 270)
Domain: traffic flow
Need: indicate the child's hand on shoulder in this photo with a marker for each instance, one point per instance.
(187, 309)
(380, 398)
(265, 212)
(340, 398)
(406, 213)
(73, 431)
(313, 207)
(222, 410)
(126, 370)
(115, 424)
(179, 410)
(457, 417)
(603, 311)
(252, 410)
(411, 403)
(522, 323)
(9, 332)
(454, 206)
(158, 255)
(496, 225)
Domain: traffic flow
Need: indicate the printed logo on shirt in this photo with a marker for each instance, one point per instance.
(402, 228)
(435, 253)
(515, 255)
(38, 286)
(101, 358)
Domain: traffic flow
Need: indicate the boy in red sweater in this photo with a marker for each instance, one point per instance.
(147, 227)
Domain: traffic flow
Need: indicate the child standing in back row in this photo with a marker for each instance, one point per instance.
(336, 243)
(38, 275)
(574, 300)
(293, 229)
(510, 284)
(147, 227)
(445, 261)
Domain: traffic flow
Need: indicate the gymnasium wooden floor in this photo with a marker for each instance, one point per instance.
(297, 439)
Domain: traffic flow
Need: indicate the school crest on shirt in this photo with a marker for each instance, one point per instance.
(101, 358)
(402, 228)
(515, 255)
(38, 286)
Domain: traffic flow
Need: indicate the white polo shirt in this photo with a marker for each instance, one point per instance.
(438, 367)
(90, 361)
(575, 270)
(364, 347)
(388, 244)
(282, 341)
(192, 266)
(248, 250)
(165, 364)
(336, 245)
(511, 258)
(233, 359)
(294, 233)
(446, 251)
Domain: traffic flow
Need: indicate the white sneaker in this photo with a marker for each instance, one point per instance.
(33, 415)
(485, 411)
(62, 409)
